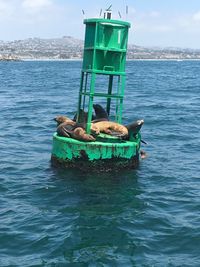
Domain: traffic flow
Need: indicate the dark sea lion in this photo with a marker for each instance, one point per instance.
(68, 128)
(65, 126)
(65, 130)
(134, 127)
(100, 112)
(77, 133)
(82, 116)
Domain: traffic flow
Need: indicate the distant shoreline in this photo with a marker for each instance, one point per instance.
(77, 59)
(68, 48)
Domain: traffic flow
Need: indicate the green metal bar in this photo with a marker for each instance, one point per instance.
(80, 96)
(110, 84)
(85, 89)
(119, 119)
(103, 95)
(117, 100)
(106, 49)
(92, 85)
(95, 41)
(105, 72)
(90, 107)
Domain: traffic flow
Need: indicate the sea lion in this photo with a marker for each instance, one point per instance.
(68, 128)
(108, 127)
(134, 128)
(143, 154)
(100, 113)
(77, 133)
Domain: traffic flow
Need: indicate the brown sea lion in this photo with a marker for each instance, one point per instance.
(108, 127)
(60, 119)
(80, 134)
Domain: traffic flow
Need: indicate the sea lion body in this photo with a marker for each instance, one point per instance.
(134, 128)
(68, 128)
(109, 126)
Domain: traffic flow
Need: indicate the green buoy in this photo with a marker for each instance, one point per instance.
(102, 77)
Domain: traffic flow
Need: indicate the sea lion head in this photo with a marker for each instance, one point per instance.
(94, 129)
(140, 122)
(143, 154)
(61, 119)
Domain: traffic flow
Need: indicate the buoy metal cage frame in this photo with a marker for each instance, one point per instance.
(104, 54)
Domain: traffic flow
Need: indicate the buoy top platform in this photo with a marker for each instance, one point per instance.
(102, 82)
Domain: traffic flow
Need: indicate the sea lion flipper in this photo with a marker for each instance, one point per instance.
(62, 131)
(107, 131)
(80, 134)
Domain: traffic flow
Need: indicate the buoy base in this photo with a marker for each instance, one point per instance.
(105, 154)
(103, 165)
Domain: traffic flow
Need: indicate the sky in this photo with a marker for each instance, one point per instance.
(163, 23)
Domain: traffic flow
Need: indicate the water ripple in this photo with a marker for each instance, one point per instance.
(144, 217)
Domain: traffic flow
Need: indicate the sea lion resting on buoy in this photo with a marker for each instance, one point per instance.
(108, 127)
(134, 127)
(120, 130)
(62, 119)
(68, 128)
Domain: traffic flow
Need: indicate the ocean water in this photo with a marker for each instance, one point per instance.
(144, 217)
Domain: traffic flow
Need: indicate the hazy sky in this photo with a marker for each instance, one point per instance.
(154, 22)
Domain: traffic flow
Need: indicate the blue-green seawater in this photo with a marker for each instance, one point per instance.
(144, 217)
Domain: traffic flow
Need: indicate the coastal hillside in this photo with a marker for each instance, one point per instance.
(68, 47)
